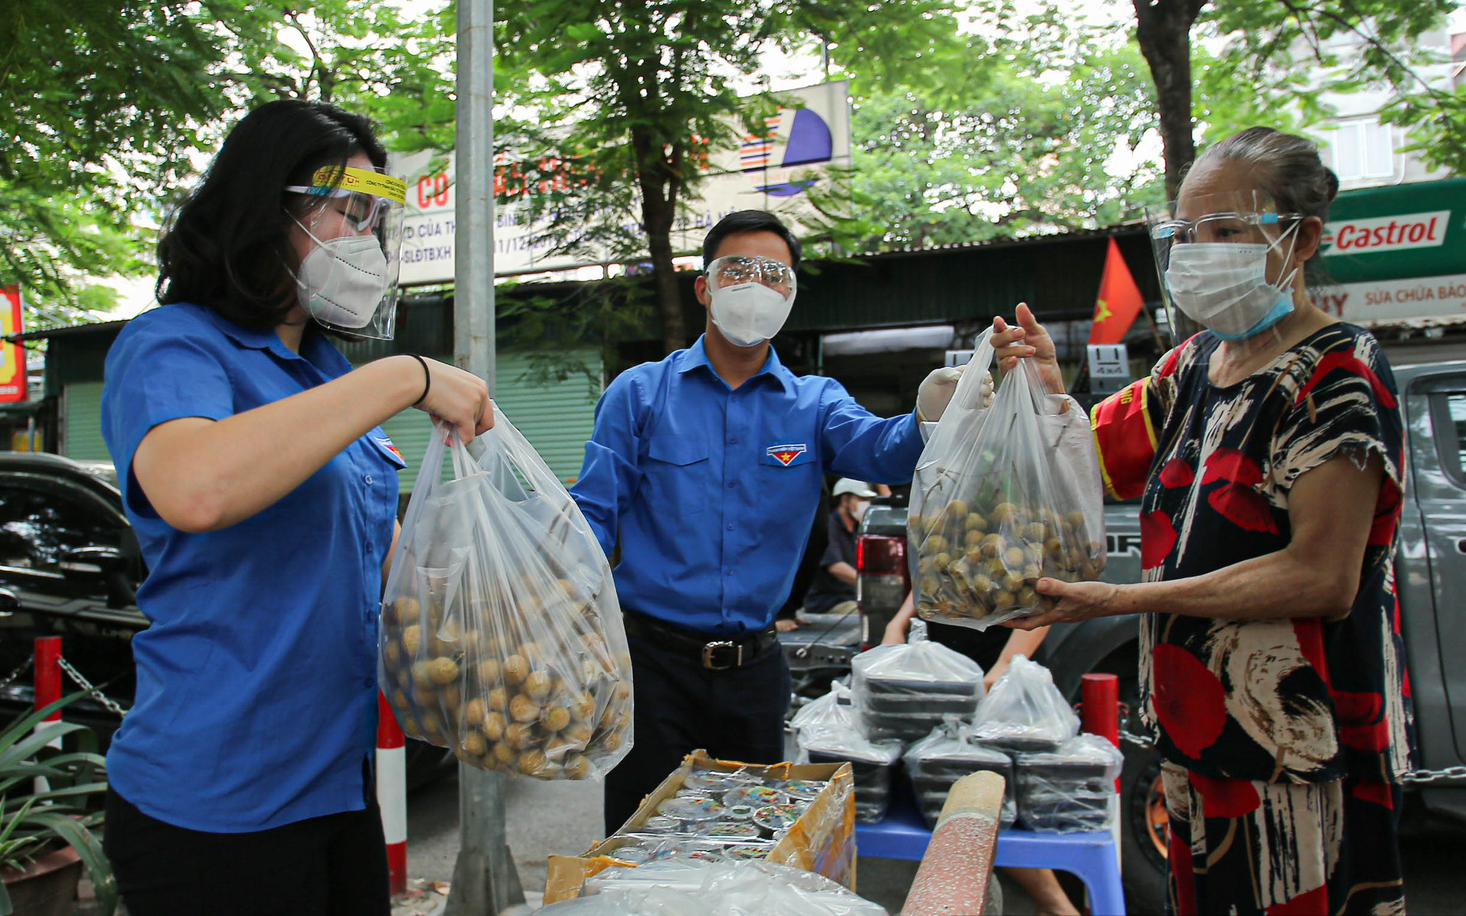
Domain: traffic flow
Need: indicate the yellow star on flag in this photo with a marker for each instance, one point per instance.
(1101, 311)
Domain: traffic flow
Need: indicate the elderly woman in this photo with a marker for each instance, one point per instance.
(1268, 452)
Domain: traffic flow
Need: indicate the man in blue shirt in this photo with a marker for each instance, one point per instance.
(707, 468)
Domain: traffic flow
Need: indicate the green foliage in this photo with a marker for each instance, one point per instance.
(1030, 130)
(107, 110)
(33, 822)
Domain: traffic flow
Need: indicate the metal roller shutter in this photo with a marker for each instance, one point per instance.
(82, 422)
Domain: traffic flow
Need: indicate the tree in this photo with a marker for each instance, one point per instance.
(1259, 65)
(627, 96)
(106, 109)
(1032, 131)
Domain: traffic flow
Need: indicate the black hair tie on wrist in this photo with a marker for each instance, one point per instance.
(427, 384)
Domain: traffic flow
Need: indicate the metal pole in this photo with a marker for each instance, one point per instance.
(485, 881)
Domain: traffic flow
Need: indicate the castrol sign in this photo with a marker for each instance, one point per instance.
(1386, 233)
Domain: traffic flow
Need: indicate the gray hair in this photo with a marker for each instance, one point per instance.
(1287, 167)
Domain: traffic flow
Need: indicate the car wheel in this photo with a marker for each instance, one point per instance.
(1144, 834)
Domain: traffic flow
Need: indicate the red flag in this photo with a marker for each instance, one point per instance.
(1119, 300)
(12, 355)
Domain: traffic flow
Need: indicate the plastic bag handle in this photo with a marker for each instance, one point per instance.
(969, 387)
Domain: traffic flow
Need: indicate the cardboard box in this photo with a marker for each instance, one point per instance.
(821, 841)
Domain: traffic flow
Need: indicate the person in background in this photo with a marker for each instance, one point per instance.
(993, 649)
(833, 588)
(706, 469)
(1267, 451)
(263, 493)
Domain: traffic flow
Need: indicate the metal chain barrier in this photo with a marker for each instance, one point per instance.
(1419, 777)
(19, 670)
(86, 685)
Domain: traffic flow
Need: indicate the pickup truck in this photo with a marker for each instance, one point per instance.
(1430, 573)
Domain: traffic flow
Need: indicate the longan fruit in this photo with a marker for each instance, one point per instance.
(489, 671)
(493, 726)
(518, 735)
(537, 685)
(972, 539)
(443, 670)
(935, 544)
(576, 767)
(583, 706)
(523, 709)
(411, 639)
(474, 712)
(516, 669)
(505, 755)
(473, 744)
(577, 733)
(993, 545)
(532, 762)
(1015, 556)
(392, 655)
(498, 699)
(610, 742)
(422, 675)
(1003, 599)
(555, 718)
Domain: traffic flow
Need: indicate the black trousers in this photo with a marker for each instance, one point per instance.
(335, 865)
(736, 714)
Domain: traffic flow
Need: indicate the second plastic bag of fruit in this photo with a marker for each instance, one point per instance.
(1003, 494)
(501, 633)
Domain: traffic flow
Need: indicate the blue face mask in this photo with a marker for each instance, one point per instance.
(1278, 313)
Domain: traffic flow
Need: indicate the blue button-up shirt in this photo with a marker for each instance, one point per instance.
(713, 490)
(257, 679)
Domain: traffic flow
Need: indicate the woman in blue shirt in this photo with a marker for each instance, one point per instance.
(264, 495)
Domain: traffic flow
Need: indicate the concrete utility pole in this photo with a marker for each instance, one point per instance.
(485, 881)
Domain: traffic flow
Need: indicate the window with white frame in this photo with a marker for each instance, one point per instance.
(1361, 148)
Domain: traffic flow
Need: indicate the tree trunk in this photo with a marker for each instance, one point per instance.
(1164, 33)
(659, 188)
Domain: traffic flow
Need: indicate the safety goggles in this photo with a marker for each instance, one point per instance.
(364, 199)
(733, 269)
(1222, 227)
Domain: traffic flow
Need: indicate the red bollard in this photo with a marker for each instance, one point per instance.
(48, 674)
(1100, 696)
(392, 792)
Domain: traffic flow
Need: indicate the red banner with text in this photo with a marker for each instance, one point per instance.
(12, 355)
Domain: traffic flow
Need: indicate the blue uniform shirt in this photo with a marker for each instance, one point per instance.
(713, 490)
(257, 680)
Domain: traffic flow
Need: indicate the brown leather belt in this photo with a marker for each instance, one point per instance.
(707, 649)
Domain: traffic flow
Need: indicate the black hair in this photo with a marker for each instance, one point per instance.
(227, 246)
(748, 221)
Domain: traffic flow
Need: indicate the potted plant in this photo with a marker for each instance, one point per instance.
(46, 830)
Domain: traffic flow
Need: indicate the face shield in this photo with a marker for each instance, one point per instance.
(1213, 255)
(751, 297)
(348, 281)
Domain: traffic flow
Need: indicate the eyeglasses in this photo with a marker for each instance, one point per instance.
(361, 211)
(733, 269)
(1217, 227)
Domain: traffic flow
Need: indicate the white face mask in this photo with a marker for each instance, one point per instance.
(1223, 286)
(857, 509)
(342, 281)
(749, 313)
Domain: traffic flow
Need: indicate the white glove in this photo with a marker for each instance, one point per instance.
(936, 391)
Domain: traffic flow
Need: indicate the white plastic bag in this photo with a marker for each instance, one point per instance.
(1025, 711)
(679, 888)
(950, 752)
(501, 633)
(1070, 789)
(898, 691)
(1002, 496)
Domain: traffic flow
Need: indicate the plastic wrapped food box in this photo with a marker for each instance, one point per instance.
(872, 763)
(902, 691)
(1025, 713)
(945, 756)
(1069, 790)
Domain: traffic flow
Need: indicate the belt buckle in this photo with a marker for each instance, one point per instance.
(709, 648)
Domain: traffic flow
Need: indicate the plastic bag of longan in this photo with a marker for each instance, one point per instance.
(501, 636)
(1004, 494)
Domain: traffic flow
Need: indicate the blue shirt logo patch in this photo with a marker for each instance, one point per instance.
(786, 453)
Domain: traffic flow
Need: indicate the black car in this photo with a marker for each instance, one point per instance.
(71, 559)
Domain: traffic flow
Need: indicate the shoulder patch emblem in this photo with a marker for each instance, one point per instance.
(787, 453)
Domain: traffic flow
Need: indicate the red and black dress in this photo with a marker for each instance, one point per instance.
(1282, 738)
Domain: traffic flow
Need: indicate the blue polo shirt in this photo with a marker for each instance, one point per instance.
(257, 679)
(713, 490)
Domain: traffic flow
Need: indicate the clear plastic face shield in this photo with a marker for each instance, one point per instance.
(751, 297)
(1224, 263)
(348, 281)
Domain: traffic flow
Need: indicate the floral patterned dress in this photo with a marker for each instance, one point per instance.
(1282, 737)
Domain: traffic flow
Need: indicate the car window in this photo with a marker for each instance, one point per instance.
(40, 526)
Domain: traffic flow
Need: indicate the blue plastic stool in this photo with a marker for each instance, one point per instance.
(1091, 856)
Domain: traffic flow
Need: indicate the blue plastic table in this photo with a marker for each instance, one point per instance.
(1091, 856)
